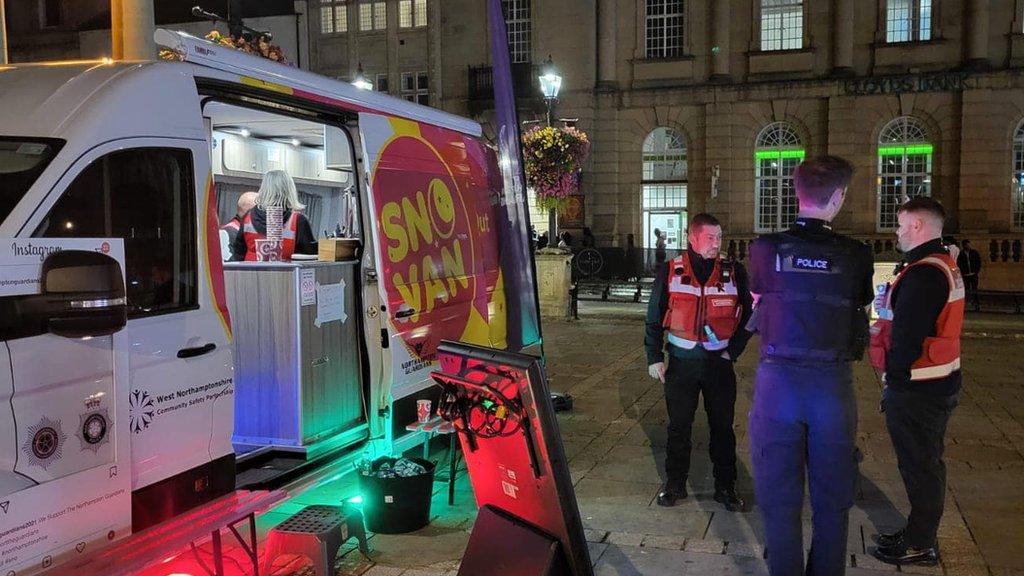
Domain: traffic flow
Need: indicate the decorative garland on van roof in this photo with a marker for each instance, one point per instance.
(258, 47)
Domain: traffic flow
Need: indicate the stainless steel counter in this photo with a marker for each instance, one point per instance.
(297, 359)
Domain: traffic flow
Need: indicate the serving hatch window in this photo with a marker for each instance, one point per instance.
(22, 160)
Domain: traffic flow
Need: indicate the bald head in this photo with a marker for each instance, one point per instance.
(245, 202)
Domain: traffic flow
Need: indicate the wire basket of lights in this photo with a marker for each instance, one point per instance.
(553, 158)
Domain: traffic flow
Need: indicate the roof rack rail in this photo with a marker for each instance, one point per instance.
(281, 77)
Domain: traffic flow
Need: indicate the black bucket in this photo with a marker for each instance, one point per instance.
(397, 505)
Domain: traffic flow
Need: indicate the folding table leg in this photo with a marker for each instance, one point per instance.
(255, 551)
(218, 554)
(452, 467)
(250, 546)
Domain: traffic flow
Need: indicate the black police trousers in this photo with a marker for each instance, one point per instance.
(804, 424)
(685, 380)
(917, 426)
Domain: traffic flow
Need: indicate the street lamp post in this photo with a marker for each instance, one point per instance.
(550, 84)
(3, 35)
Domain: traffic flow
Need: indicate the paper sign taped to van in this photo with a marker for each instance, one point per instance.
(21, 259)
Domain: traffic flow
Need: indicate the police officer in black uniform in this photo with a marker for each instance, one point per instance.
(702, 302)
(811, 287)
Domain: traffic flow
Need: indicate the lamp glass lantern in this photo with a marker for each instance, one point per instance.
(550, 80)
(361, 82)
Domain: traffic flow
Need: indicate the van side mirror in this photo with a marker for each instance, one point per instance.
(83, 294)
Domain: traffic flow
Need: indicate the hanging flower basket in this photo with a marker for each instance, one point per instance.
(554, 158)
(258, 47)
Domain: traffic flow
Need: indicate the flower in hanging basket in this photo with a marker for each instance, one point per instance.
(553, 159)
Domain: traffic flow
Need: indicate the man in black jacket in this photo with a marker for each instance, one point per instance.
(924, 308)
(703, 303)
(969, 263)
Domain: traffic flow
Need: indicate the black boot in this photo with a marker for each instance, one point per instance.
(888, 539)
(901, 554)
(671, 492)
(730, 499)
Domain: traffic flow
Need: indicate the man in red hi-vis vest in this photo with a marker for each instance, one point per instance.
(246, 202)
(702, 302)
(915, 345)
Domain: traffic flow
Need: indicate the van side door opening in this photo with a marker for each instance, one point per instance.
(249, 136)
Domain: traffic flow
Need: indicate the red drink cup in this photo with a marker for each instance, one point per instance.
(423, 411)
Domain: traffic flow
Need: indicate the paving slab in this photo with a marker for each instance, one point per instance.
(614, 440)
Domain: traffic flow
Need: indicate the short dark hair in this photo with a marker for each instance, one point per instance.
(816, 179)
(926, 204)
(703, 219)
(966, 242)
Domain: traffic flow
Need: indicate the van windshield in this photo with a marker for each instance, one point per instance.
(22, 160)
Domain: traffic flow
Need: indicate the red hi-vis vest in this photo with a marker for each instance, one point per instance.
(707, 315)
(287, 237)
(940, 356)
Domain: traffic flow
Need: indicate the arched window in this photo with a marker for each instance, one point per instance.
(663, 188)
(778, 153)
(1018, 177)
(904, 168)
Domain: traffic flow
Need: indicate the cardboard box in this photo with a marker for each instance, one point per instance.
(337, 249)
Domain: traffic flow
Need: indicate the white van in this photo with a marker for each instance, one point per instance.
(127, 419)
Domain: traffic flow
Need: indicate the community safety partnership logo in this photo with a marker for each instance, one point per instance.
(144, 408)
(141, 410)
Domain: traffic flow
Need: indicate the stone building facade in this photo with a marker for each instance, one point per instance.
(923, 96)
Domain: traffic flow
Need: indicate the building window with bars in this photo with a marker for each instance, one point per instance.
(904, 168)
(333, 16)
(416, 87)
(778, 152)
(382, 83)
(373, 15)
(908, 20)
(517, 19)
(782, 25)
(412, 13)
(663, 188)
(664, 28)
(1018, 178)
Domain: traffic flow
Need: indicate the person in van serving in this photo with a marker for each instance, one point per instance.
(277, 195)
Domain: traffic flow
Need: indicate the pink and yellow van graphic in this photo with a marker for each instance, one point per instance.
(437, 245)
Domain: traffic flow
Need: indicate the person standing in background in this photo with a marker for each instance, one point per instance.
(660, 253)
(969, 263)
(588, 240)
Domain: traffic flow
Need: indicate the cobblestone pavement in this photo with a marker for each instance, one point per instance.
(615, 441)
(615, 438)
